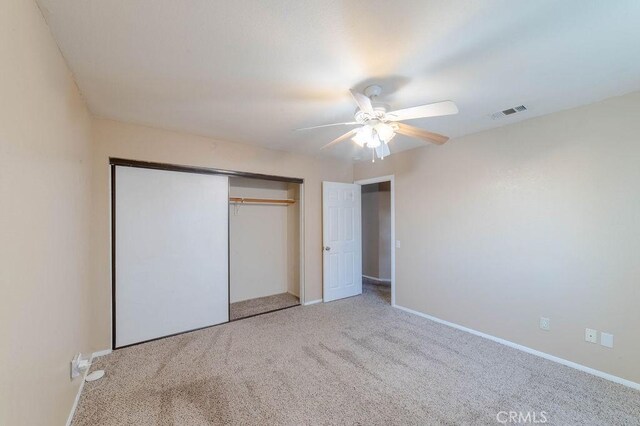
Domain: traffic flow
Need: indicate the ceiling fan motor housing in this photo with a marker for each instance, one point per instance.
(372, 91)
(379, 114)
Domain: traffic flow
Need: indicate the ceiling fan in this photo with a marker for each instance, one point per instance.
(377, 126)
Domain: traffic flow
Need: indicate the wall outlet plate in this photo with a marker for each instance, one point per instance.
(75, 371)
(591, 335)
(78, 365)
(606, 339)
(545, 323)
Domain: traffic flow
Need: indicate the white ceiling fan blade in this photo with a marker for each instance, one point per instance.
(430, 110)
(364, 103)
(341, 138)
(351, 123)
(415, 132)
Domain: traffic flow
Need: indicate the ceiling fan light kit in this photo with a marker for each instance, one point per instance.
(379, 127)
(385, 132)
(363, 135)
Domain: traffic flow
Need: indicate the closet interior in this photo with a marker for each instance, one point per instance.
(264, 246)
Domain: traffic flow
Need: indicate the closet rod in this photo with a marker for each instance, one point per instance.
(261, 200)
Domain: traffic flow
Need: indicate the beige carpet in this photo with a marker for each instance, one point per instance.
(353, 361)
(250, 307)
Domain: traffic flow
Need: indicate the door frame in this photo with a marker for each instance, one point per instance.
(391, 180)
(301, 248)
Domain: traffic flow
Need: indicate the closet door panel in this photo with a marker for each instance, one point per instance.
(171, 240)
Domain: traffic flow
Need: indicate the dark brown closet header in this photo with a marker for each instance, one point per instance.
(201, 170)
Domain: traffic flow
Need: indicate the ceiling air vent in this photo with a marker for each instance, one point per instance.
(508, 111)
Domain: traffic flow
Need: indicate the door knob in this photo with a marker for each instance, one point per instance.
(327, 248)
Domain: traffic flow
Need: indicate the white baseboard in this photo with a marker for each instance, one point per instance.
(528, 350)
(312, 302)
(98, 354)
(380, 280)
(75, 401)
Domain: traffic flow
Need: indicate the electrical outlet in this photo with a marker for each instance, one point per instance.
(606, 339)
(591, 335)
(78, 365)
(75, 371)
(545, 323)
(397, 243)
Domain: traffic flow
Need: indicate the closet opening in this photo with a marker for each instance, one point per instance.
(194, 247)
(264, 246)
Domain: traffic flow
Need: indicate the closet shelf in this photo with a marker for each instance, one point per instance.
(247, 200)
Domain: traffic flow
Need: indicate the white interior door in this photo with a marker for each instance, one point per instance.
(341, 234)
(171, 241)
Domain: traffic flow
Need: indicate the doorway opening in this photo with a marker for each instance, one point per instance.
(378, 237)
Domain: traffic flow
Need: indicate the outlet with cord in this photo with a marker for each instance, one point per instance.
(79, 365)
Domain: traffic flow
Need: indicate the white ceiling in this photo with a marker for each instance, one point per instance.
(251, 71)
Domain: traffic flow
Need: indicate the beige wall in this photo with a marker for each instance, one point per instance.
(44, 222)
(539, 218)
(263, 241)
(117, 139)
(376, 230)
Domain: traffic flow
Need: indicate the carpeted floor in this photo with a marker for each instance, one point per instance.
(353, 361)
(246, 308)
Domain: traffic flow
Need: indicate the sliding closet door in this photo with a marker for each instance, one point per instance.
(171, 253)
